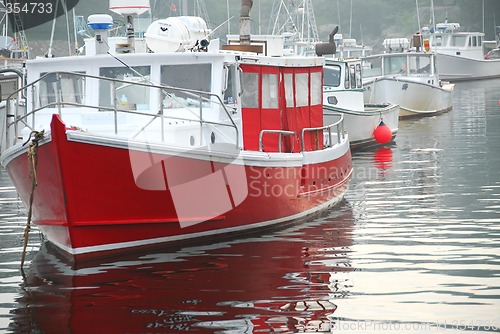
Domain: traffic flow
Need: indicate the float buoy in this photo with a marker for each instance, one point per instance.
(382, 133)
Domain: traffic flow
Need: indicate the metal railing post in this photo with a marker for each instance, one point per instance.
(280, 134)
(58, 95)
(162, 118)
(115, 111)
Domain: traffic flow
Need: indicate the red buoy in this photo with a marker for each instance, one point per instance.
(382, 133)
(383, 158)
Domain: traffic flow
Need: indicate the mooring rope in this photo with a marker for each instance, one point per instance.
(32, 161)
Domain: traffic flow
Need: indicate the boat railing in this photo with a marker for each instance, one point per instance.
(280, 134)
(199, 101)
(327, 133)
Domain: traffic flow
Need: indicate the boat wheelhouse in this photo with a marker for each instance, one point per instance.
(460, 55)
(410, 79)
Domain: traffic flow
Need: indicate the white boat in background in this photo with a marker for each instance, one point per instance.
(407, 78)
(343, 96)
(460, 55)
(348, 48)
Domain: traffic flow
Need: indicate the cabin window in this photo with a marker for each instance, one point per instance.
(316, 88)
(270, 91)
(230, 88)
(302, 89)
(474, 40)
(332, 76)
(395, 65)
(127, 94)
(193, 77)
(479, 40)
(372, 67)
(352, 74)
(69, 87)
(290, 102)
(356, 54)
(420, 64)
(437, 41)
(458, 40)
(359, 83)
(346, 79)
(250, 94)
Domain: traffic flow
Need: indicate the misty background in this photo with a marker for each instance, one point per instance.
(369, 22)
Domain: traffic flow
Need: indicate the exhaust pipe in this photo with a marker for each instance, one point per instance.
(245, 23)
(327, 48)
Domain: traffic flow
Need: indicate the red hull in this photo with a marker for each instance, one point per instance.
(91, 198)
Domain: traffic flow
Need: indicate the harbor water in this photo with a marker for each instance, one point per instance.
(413, 248)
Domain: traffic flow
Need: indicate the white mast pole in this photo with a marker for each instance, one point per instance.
(350, 23)
(418, 17)
(228, 19)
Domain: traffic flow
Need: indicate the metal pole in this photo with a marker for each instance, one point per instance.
(58, 95)
(228, 19)
(113, 96)
(418, 17)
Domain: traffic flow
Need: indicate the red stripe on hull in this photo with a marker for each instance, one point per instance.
(92, 197)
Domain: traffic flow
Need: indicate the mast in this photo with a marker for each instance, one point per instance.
(297, 18)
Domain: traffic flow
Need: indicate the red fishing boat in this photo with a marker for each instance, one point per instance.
(122, 149)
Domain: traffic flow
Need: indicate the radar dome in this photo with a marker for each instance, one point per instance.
(129, 7)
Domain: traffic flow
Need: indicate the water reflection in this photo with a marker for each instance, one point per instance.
(282, 282)
(415, 248)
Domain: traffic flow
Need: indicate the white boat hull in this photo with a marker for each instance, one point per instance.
(361, 124)
(456, 68)
(414, 98)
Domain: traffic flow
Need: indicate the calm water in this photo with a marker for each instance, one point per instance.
(415, 247)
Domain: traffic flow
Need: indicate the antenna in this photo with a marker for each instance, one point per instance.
(129, 8)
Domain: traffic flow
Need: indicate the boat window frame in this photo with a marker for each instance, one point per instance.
(359, 81)
(250, 89)
(79, 85)
(336, 76)
(302, 89)
(352, 75)
(230, 88)
(457, 38)
(142, 72)
(347, 82)
(316, 88)
(270, 91)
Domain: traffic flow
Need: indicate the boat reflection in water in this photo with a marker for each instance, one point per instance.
(235, 285)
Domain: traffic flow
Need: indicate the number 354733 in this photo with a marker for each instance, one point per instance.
(29, 8)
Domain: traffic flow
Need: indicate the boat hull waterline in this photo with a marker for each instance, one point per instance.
(360, 125)
(457, 68)
(415, 98)
(96, 196)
